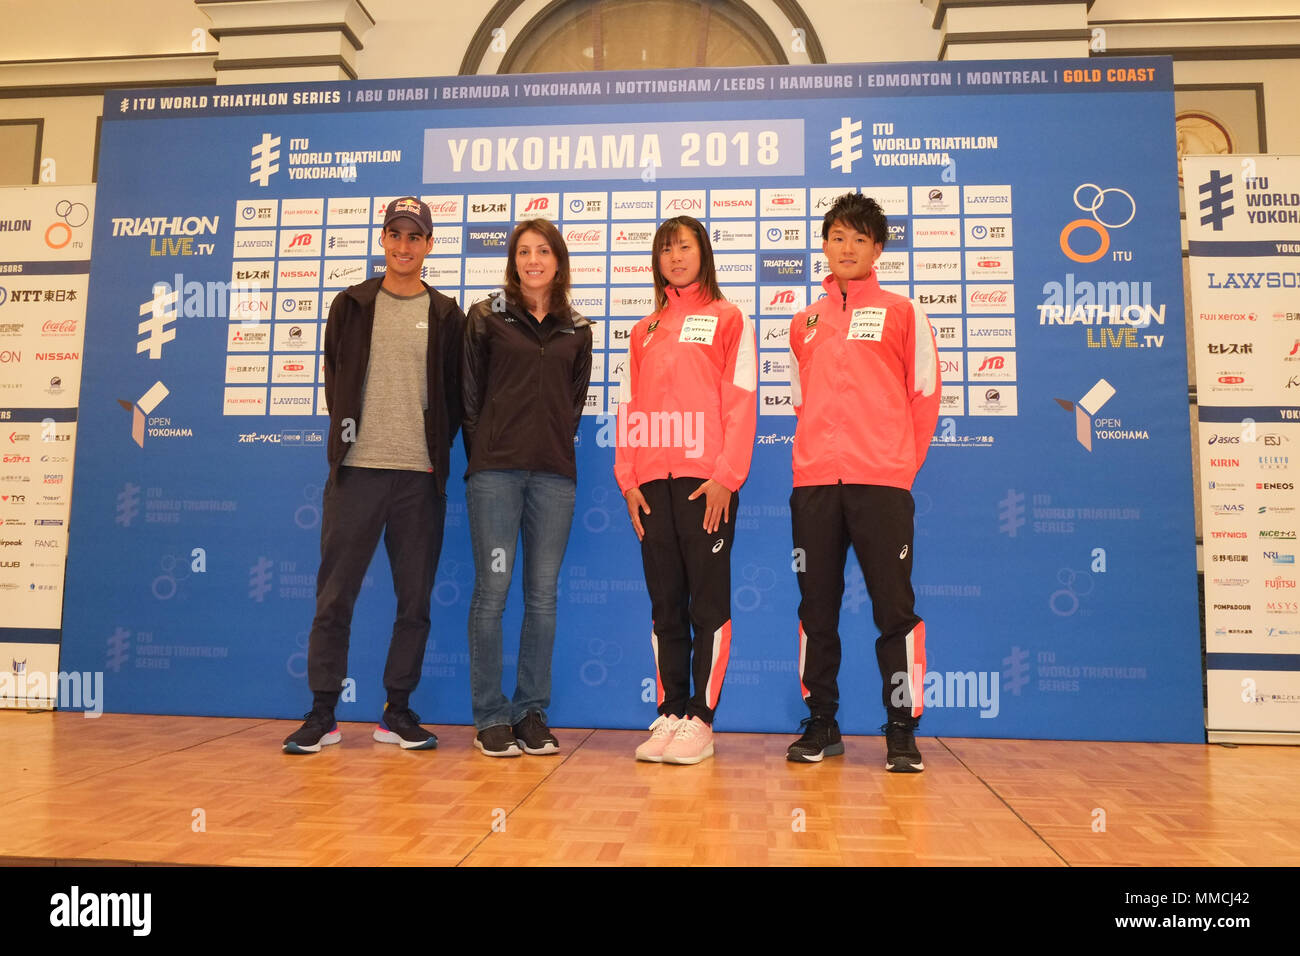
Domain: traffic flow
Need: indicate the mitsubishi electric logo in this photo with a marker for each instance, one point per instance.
(1085, 408)
(264, 163)
(143, 406)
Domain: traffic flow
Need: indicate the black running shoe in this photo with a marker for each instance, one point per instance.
(497, 741)
(903, 757)
(534, 736)
(320, 729)
(821, 738)
(401, 725)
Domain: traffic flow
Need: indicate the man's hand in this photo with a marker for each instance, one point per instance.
(636, 503)
(717, 500)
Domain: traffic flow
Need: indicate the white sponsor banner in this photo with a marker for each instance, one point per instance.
(42, 330)
(1243, 242)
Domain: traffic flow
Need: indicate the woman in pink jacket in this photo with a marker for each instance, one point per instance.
(686, 421)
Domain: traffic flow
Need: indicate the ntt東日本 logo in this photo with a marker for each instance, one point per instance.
(1111, 208)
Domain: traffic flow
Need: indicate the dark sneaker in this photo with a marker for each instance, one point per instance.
(821, 738)
(534, 736)
(903, 757)
(497, 741)
(402, 726)
(320, 729)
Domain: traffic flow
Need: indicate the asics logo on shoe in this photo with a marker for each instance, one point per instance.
(902, 554)
(718, 547)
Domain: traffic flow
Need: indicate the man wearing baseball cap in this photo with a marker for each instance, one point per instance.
(392, 382)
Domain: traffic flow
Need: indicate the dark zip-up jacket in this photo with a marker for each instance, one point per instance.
(347, 356)
(524, 386)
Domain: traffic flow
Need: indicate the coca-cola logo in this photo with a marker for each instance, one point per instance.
(997, 297)
(447, 205)
(579, 235)
(66, 327)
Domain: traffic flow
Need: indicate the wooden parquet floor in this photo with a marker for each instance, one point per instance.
(218, 791)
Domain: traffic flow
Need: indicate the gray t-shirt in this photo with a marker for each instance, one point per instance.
(396, 391)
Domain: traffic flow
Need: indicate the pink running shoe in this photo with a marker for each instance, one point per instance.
(661, 733)
(692, 743)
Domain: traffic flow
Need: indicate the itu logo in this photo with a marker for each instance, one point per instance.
(264, 164)
(161, 312)
(1215, 201)
(845, 143)
(1085, 408)
(1107, 213)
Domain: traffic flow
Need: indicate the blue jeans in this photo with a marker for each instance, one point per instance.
(503, 505)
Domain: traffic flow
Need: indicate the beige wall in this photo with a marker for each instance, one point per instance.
(412, 39)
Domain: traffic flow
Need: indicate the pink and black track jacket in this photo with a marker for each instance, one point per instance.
(864, 381)
(687, 397)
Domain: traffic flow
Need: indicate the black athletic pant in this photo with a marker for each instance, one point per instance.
(877, 521)
(688, 576)
(360, 504)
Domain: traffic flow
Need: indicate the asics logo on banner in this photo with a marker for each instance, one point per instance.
(264, 164)
(1107, 213)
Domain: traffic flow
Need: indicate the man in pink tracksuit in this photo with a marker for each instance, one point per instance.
(865, 387)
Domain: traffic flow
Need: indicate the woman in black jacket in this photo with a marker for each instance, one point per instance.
(526, 367)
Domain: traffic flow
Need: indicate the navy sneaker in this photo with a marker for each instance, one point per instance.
(401, 726)
(319, 730)
(534, 736)
(900, 739)
(497, 741)
(821, 738)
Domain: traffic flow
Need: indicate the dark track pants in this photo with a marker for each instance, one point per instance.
(359, 505)
(688, 576)
(877, 521)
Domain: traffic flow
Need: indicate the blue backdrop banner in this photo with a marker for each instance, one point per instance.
(1055, 554)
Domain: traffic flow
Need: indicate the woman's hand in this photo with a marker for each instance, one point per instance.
(636, 503)
(717, 500)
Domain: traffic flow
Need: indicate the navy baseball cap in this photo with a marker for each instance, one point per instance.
(408, 207)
